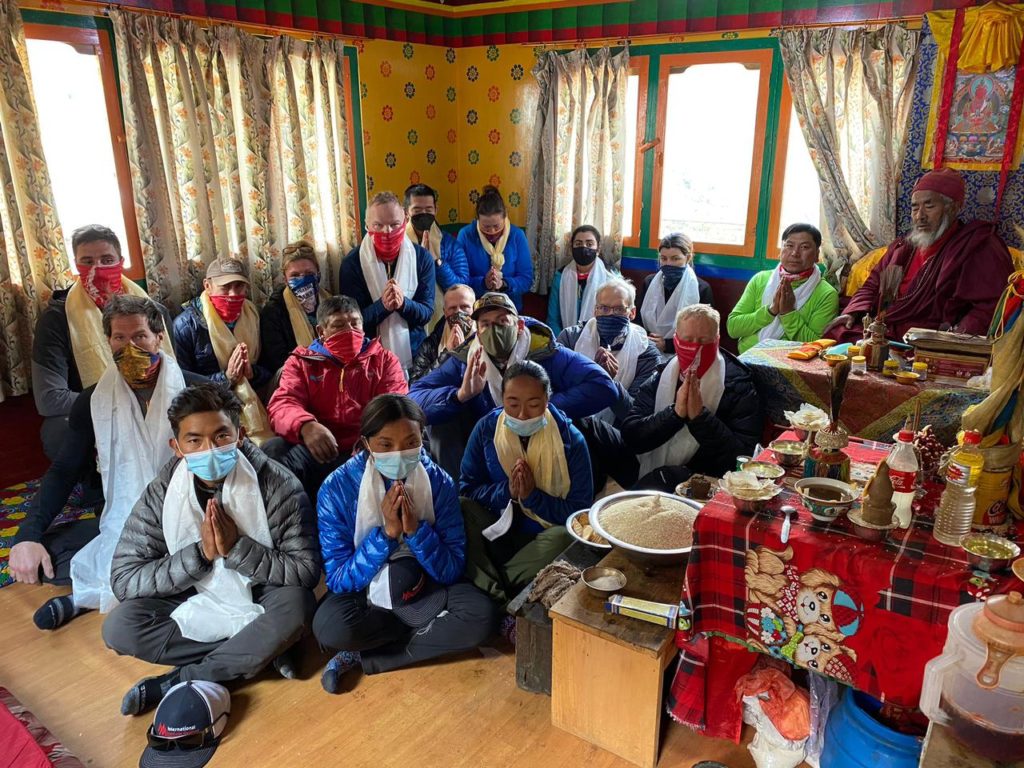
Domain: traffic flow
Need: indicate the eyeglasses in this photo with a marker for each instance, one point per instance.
(604, 309)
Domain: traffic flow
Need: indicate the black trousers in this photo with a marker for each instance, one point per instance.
(300, 462)
(663, 479)
(63, 542)
(609, 454)
(143, 628)
(347, 622)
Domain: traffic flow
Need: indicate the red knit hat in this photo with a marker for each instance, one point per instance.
(945, 181)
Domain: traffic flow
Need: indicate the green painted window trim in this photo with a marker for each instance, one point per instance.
(654, 53)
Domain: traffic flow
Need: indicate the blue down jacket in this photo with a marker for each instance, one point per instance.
(483, 480)
(194, 350)
(440, 548)
(581, 387)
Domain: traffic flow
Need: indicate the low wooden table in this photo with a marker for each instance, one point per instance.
(608, 671)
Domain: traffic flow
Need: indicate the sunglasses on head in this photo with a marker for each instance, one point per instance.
(199, 740)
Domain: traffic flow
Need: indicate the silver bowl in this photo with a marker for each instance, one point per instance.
(791, 458)
(572, 531)
(754, 506)
(602, 582)
(765, 470)
(642, 556)
(990, 563)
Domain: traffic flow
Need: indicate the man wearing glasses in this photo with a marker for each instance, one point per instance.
(622, 348)
(392, 280)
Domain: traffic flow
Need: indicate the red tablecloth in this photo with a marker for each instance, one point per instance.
(869, 614)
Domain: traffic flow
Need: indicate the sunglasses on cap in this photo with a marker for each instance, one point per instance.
(197, 740)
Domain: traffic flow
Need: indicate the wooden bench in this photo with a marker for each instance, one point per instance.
(608, 671)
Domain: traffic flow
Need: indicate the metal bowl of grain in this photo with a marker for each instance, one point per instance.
(579, 527)
(650, 528)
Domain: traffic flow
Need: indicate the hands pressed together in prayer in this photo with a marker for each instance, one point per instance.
(239, 366)
(494, 279)
(393, 299)
(607, 360)
(689, 402)
(218, 531)
(475, 377)
(319, 441)
(26, 558)
(784, 300)
(521, 483)
(399, 513)
(456, 338)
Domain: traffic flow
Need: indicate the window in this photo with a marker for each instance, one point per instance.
(712, 112)
(801, 193)
(636, 124)
(798, 192)
(80, 122)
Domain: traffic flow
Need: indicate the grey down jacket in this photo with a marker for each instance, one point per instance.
(142, 566)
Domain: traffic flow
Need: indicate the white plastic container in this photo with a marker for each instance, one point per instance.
(989, 721)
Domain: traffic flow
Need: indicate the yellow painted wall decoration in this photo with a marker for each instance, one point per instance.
(454, 119)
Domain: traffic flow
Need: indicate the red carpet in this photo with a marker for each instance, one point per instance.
(21, 452)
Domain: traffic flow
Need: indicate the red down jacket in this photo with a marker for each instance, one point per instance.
(312, 388)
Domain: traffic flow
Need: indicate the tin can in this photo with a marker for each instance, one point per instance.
(740, 461)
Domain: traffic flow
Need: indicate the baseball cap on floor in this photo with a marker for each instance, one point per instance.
(187, 726)
(405, 589)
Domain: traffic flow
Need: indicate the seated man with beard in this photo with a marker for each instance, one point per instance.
(953, 272)
(455, 326)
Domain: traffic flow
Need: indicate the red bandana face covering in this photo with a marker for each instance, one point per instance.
(228, 307)
(687, 352)
(101, 282)
(793, 277)
(345, 345)
(388, 244)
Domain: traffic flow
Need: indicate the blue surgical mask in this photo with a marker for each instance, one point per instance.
(214, 464)
(396, 465)
(671, 275)
(526, 427)
(611, 327)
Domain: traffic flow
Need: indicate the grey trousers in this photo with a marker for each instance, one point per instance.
(143, 628)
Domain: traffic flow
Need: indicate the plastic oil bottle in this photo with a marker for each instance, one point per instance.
(903, 468)
(956, 507)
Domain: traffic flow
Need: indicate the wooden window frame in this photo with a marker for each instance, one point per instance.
(99, 42)
(639, 66)
(670, 64)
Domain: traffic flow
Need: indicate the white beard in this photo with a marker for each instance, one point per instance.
(921, 240)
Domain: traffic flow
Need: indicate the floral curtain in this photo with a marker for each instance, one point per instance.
(33, 262)
(579, 156)
(237, 145)
(852, 90)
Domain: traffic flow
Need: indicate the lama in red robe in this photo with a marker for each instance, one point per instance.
(955, 288)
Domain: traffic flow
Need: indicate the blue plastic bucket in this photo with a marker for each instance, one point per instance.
(854, 739)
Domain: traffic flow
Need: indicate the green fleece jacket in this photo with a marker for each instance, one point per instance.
(750, 314)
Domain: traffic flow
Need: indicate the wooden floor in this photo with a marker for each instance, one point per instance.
(466, 712)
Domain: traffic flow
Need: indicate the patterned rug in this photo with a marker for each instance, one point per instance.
(27, 743)
(14, 506)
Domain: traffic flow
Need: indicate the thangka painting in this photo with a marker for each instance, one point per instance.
(979, 114)
(978, 118)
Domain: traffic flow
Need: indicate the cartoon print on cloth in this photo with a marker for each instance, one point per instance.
(800, 617)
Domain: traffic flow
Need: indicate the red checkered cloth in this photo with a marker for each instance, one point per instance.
(869, 614)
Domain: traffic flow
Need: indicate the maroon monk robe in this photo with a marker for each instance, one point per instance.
(956, 288)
